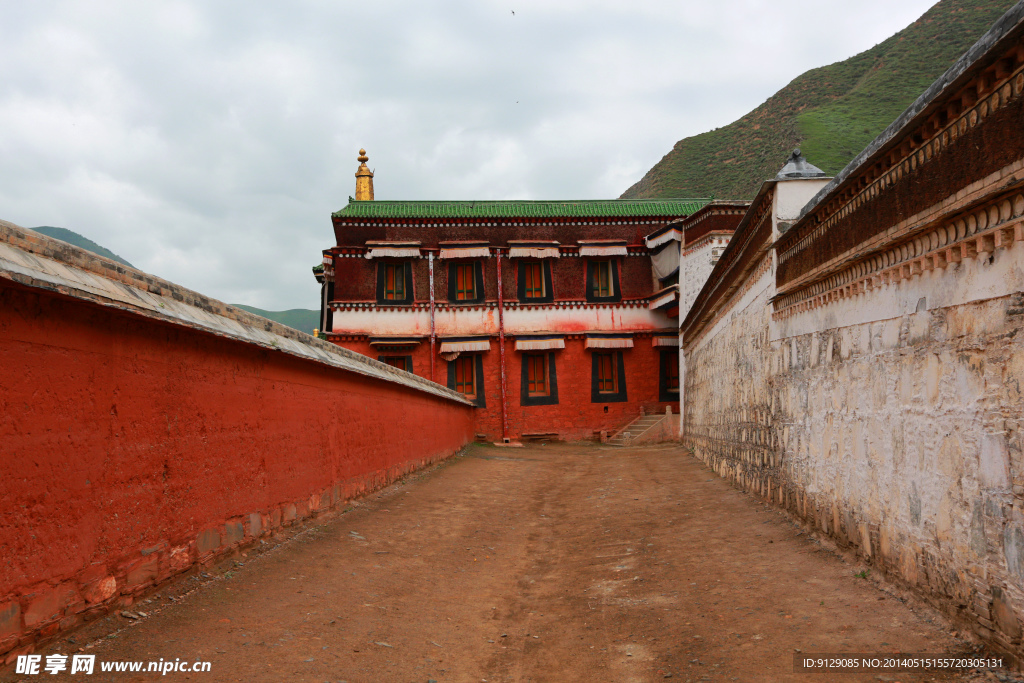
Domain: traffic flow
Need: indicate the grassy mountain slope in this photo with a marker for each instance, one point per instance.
(301, 319)
(831, 113)
(72, 237)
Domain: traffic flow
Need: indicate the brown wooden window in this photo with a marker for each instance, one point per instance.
(537, 374)
(465, 282)
(394, 282)
(607, 373)
(601, 280)
(465, 375)
(533, 275)
(539, 385)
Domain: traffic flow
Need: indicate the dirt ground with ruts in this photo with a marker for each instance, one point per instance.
(554, 562)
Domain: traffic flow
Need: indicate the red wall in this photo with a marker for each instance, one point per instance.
(356, 278)
(574, 417)
(133, 448)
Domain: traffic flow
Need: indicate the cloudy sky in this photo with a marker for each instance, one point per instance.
(208, 142)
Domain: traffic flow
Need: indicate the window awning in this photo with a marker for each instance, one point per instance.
(665, 297)
(539, 342)
(609, 340)
(658, 239)
(602, 247)
(670, 339)
(532, 249)
(392, 249)
(395, 341)
(464, 250)
(461, 344)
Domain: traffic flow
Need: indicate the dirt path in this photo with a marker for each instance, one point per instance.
(546, 563)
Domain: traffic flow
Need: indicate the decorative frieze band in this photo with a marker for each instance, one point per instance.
(979, 232)
(555, 305)
(911, 158)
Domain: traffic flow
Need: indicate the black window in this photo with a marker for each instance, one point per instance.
(668, 381)
(670, 279)
(326, 312)
(535, 282)
(603, 280)
(465, 282)
(608, 377)
(539, 380)
(394, 282)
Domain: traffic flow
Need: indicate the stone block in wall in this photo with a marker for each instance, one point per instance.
(234, 532)
(10, 619)
(1004, 617)
(290, 514)
(208, 541)
(142, 572)
(982, 606)
(275, 518)
(994, 464)
(99, 590)
(48, 605)
(255, 524)
(179, 559)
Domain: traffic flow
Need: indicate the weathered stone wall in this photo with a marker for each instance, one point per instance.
(872, 386)
(729, 409)
(901, 438)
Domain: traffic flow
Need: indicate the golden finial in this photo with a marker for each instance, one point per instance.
(364, 178)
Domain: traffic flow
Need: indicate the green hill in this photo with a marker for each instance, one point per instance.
(72, 237)
(301, 319)
(831, 113)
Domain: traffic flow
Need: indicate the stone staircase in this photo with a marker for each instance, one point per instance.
(632, 432)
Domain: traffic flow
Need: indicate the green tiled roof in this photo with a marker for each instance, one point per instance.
(597, 208)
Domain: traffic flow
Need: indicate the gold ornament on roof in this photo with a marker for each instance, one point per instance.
(364, 178)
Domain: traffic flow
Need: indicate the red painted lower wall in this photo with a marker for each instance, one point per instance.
(131, 449)
(575, 416)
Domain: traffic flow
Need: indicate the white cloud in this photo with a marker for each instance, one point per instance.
(209, 142)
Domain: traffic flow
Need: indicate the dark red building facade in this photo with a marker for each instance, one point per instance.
(539, 311)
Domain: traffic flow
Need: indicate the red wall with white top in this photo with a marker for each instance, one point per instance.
(575, 416)
(132, 448)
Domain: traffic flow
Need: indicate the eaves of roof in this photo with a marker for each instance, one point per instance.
(584, 208)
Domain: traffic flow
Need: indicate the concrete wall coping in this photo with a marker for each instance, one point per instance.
(35, 260)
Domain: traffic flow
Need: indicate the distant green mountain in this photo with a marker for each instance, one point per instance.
(301, 319)
(72, 237)
(831, 113)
